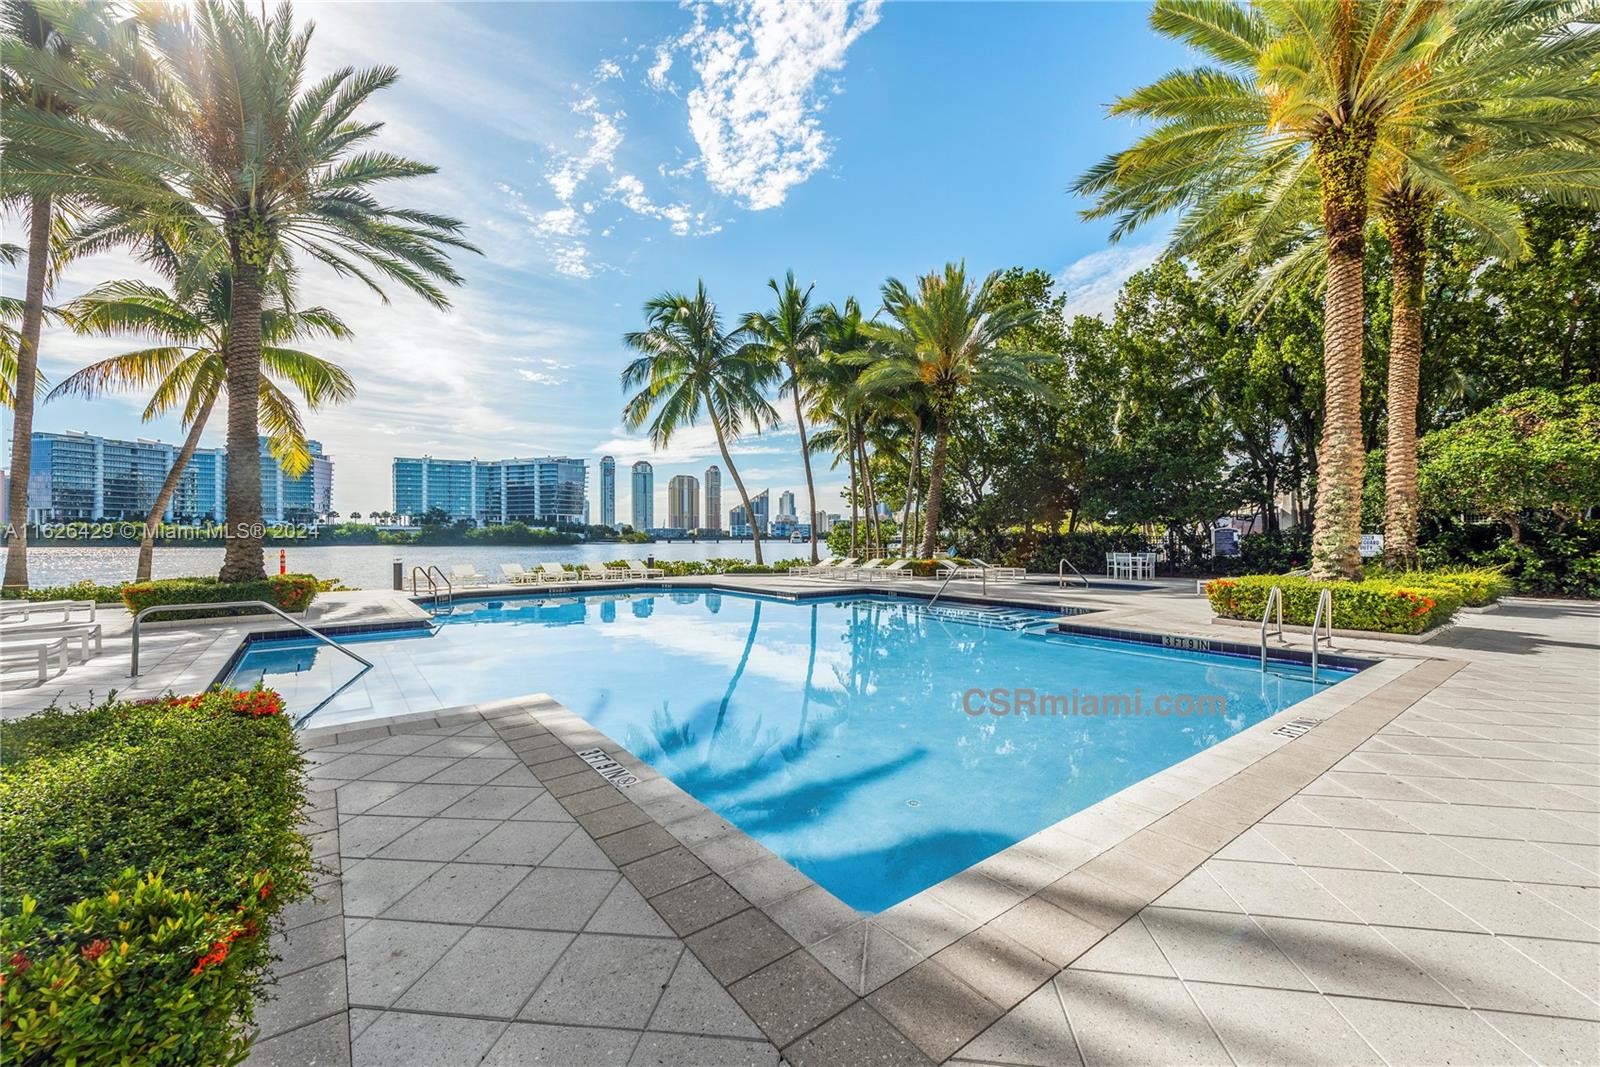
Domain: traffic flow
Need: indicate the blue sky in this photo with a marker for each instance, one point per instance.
(601, 153)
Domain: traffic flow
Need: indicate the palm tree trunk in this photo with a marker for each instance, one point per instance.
(855, 525)
(241, 560)
(805, 457)
(1341, 155)
(930, 537)
(27, 372)
(911, 488)
(738, 482)
(147, 543)
(870, 490)
(1403, 220)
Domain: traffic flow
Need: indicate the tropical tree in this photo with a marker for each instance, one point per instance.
(945, 336)
(1296, 88)
(792, 334)
(834, 399)
(187, 369)
(689, 368)
(230, 135)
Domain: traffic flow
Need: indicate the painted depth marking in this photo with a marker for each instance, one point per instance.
(608, 768)
(1295, 728)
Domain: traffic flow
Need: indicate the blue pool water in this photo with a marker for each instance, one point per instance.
(840, 733)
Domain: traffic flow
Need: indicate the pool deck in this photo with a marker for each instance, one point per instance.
(1413, 879)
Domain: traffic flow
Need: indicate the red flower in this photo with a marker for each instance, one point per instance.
(95, 949)
(20, 964)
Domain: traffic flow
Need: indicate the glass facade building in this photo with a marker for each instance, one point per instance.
(644, 495)
(545, 491)
(608, 491)
(713, 512)
(739, 524)
(81, 477)
(683, 502)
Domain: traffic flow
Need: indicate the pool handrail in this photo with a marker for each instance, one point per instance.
(366, 664)
(1275, 596)
(1061, 574)
(1324, 598)
(433, 587)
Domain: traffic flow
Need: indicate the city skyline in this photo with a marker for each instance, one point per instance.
(609, 177)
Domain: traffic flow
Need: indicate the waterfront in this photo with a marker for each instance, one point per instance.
(371, 566)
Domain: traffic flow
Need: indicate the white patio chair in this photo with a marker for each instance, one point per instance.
(466, 574)
(553, 572)
(640, 570)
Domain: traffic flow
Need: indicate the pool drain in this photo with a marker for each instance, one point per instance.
(913, 803)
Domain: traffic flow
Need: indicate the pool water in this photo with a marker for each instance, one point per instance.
(853, 736)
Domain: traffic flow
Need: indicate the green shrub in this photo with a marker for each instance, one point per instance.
(1478, 586)
(105, 966)
(1384, 605)
(86, 590)
(290, 592)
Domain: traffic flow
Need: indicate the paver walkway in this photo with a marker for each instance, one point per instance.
(469, 918)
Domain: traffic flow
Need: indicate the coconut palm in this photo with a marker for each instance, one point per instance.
(689, 368)
(944, 337)
(834, 398)
(792, 334)
(187, 369)
(1295, 87)
(224, 130)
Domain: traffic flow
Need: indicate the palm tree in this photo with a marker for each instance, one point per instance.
(792, 334)
(688, 368)
(1297, 87)
(835, 400)
(188, 369)
(945, 338)
(229, 134)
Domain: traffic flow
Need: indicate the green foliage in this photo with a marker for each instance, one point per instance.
(104, 965)
(1554, 558)
(289, 592)
(84, 590)
(1409, 604)
(1536, 450)
(694, 568)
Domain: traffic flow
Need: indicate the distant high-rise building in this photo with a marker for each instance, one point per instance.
(546, 491)
(644, 495)
(786, 509)
(739, 524)
(713, 498)
(608, 491)
(683, 502)
(84, 477)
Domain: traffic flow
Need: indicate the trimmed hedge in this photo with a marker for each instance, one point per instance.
(1384, 605)
(290, 592)
(86, 590)
(147, 848)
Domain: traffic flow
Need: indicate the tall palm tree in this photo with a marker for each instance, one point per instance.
(689, 368)
(834, 398)
(945, 336)
(1295, 87)
(187, 369)
(230, 134)
(792, 333)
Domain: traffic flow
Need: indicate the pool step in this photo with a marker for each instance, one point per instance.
(994, 618)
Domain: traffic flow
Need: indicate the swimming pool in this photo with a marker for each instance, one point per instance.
(873, 742)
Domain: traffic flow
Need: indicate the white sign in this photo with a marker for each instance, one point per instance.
(608, 768)
(1371, 545)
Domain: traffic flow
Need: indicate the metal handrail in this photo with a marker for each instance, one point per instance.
(1061, 574)
(1275, 596)
(433, 587)
(366, 664)
(1325, 598)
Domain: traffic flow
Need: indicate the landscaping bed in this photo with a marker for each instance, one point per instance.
(147, 849)
(287, 592)
(1383, 602)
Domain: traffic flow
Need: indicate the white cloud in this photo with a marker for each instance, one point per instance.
(754, 113)
(1091, 284)
(566, 172)
(657, 74)
(629, 191)
(692, 444)
(540, 378)
(607, 70)
(572, 260)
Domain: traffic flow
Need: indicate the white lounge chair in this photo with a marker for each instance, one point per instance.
(24, 610)
(553, 572)
(995, 571)
(900, 568)
(517, 573)
(949, 567)
(40, 652)
(815, 568)
(81, 632)
(639, 570)
(591, 573)
(868, 569)
(466, 574)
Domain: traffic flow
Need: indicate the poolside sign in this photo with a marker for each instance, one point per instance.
(608, 768)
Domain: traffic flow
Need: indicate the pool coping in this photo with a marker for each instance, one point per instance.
(1039, 903)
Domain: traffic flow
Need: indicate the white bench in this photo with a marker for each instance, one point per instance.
(83, 631)
(40, 652)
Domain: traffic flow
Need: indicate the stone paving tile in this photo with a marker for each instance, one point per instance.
(1419, 1033)
(857, 1035)
(528, 1044)
(603, 979)
(675, 1050)
(528, 843)
(1269, 1027)
(1034, 1032)
(371, 886)
(436, 839)
(386, 957)
(791, 996)
(303, 997)
(488, 972)
(698, 904)
(552, 898)
(1210, 946)
(321, 1044)
(935, 1009)
(626, 912)
(740, 945)
(696, 1003)
(1110, 1013)
(403, 1037)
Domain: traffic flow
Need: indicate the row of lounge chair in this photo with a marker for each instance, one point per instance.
(554, 573)
(39, 634)
(879, 568)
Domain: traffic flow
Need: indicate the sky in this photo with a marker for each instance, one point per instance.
(601, 154)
